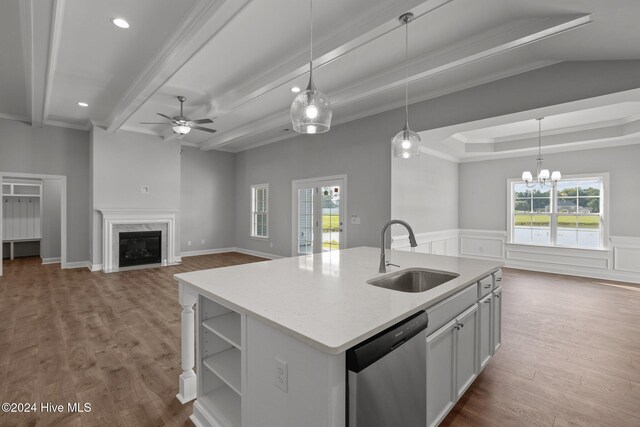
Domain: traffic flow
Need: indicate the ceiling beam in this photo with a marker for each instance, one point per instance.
(203, 22)
(52, 61)
(503, 39)
(26, 36)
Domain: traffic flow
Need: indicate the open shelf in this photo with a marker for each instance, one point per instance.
(226, 365)
(226, 327)
(223, 402)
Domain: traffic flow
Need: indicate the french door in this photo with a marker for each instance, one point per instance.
(319, 207)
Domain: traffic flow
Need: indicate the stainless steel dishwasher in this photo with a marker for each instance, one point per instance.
(387, 377)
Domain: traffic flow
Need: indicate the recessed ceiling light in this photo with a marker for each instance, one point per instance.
(119, 22)
(83, 104)
(295, 89)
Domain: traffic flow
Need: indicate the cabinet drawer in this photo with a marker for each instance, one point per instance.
(497, 278)
(450, 308)
(485, 286)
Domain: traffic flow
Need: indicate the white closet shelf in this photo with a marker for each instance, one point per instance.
(226, 365)
(226, 327)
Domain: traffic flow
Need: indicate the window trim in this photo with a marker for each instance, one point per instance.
(604, 209)
(252, 225)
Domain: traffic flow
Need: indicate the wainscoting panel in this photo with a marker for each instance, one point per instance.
(482, 243)
(436, 242)
(626, 253)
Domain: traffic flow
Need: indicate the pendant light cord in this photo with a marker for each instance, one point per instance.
(311, 37)
(406, 74)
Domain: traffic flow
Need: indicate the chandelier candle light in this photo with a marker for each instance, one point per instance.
(543, 174)
(311, 109)
(406, 143)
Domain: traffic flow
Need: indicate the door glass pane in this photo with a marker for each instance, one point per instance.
(305, 221)
(331, 226)
(567, 230)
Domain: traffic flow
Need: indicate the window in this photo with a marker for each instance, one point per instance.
(260, 210)
(569, 215)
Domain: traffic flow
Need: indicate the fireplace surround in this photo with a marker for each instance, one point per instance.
(139, 248)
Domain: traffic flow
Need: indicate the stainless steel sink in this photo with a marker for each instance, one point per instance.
(413, 280)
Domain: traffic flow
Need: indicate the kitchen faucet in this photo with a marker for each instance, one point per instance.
(412, 241)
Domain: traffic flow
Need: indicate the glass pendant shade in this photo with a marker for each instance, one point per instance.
(406, 144)
(181, 129)
(556, 176)
(544, 174)
(527, 177)
(311, 111)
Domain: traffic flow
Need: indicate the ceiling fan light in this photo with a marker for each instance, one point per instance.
(181, 129)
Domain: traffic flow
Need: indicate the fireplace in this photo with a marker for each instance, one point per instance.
(140, 247)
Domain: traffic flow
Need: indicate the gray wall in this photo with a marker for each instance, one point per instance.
(50, 244)
(53, 150)
(122, 162)
(207, 199)
(359, 149)
(424, 192)
(483, 186)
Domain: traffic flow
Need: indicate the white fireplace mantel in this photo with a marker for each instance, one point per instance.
(112, 217)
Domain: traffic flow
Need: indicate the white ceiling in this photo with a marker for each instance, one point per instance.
(235, 60)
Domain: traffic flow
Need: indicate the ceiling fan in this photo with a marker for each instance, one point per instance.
(182, 125)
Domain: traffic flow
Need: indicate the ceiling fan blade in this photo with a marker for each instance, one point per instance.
(165, 116)
(204, 129)
(201, 121)
(154, 123)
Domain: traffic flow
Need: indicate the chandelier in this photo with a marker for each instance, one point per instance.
(544, 178)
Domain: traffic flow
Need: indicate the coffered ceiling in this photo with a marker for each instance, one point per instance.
(236, 60)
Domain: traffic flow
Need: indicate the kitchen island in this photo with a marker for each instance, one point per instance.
(271, 337)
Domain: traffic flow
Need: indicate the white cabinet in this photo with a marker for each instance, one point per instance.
(451, 364)
(466, 345)
(485, 325)
(441, 373)
(497, 318)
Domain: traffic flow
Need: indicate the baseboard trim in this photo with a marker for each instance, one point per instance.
(258, 253)
(55, 260)
(95, 267)
(207, 252)
(77, 264)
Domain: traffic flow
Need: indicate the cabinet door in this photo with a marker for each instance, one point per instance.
(497, 318)
(485, 318)
(440, 373)
(466, 345)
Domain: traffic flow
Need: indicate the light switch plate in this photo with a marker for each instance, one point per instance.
(282, 375)
(355, 219)
(145, 189)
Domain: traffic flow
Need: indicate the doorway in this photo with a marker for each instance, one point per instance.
(319, 207)
(24, 225)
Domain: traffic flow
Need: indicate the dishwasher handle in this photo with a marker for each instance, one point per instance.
(373, 349)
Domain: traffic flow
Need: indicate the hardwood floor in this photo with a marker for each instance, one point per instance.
(112, 340)
(570, 353)
(570, 356)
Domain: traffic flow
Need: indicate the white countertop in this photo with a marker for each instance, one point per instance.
(324, 299)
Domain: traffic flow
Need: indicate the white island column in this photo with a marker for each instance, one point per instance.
(188, 380)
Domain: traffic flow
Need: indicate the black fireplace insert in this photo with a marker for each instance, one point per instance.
(140, 247)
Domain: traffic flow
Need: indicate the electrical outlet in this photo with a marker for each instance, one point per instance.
(355, 219)
(189, 243)
(282, 375)
(145, 189)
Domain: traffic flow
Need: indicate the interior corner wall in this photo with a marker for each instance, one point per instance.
(483, 186)
(359, 149)
(51, 150)
(207, 200)
(123, 162)
(424, 192)
(51, 211)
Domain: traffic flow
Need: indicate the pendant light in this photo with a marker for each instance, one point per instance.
(543, 174)
(406, 143)
(311, 109)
